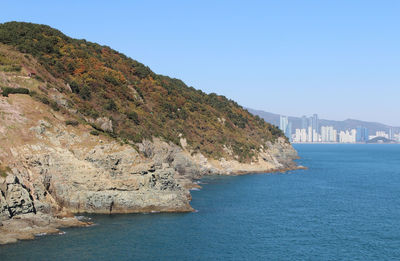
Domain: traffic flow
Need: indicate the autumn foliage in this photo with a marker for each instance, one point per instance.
(101, 82)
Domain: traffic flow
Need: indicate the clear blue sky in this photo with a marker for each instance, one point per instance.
(340, 59)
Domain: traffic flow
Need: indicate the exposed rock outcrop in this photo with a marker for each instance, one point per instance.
(18, 199)
(58, 170)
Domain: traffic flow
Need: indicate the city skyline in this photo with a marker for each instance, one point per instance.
(312, 132)
(300, 115)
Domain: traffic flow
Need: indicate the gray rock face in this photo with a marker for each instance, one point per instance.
(15, 199)
(283, 153)
(60, 173)
(171, 155)
(104, 178)
(107, 177)
(18, 200)
(186, 166)
(4, 212)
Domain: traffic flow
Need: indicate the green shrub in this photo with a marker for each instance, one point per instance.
(89, 111)
(110, 105)
(43, 99)
(71, 122)
(133, 116)
(95, 132)
(111, 79)
(74, 87)
(8, 90)
(141, 70)
(54, 106)
(84, 92)
(40, 79)
(12, 68)
(4, 170)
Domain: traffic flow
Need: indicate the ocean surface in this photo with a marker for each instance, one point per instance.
(346, 206)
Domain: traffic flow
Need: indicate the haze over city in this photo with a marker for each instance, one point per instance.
(339, 59)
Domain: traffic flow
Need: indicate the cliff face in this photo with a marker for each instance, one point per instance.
(64, 168)
(56, 161)
(57, 170)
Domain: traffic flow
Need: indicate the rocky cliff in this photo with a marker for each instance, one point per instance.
(55, 170)
(56, 161)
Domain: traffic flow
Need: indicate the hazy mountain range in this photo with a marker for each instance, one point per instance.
(339, 125)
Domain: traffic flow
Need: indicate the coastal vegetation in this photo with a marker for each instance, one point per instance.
(4, 170)
(72, 123)
(7, 90)
(101, 82)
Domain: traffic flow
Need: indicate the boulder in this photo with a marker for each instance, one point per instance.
(17, 197)
(4, 212)
(104, 123)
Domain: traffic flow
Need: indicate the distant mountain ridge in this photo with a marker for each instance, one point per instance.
(339, 125)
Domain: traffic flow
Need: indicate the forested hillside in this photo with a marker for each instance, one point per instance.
(101, 82)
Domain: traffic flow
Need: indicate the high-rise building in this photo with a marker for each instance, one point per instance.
(303, 135)
(288, 132)
(309, 134)
(297, 136)
(286, 126)
(334, 136)
(391, 134)
(362, 134)
(315, 123)
(348, 136)
(310, 121)
(304, 122)
(365, 134)
(283, 123)
(328, 134)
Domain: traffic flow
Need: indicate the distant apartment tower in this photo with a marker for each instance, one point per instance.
(289, 131)
(391, 134)
(347, 136)
(328, 134)
(315, 123)
(309, 134)
(310, 122)
(304, 122)
(362, 134)
(283, 123)
(286, 126)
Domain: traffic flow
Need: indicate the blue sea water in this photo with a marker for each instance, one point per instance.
(346, 206)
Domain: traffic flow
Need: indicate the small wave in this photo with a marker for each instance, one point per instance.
(40, 234)
(83, 218)
(195, 189)
(62, 233)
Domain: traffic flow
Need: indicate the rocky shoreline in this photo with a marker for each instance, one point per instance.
(55, 171)
(31, 225)
(25, 215)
